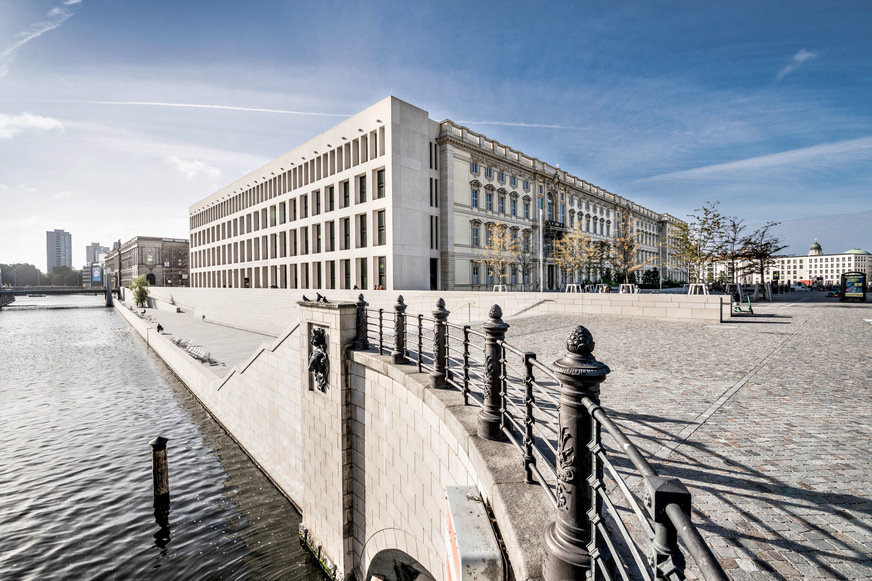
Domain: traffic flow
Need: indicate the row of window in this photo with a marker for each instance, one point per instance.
(343, 157)
(315, 238)
(316, 203)
(330, 274)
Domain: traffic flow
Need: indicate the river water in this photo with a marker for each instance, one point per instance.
(80, 398)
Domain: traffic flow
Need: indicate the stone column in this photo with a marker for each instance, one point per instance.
(566, 539)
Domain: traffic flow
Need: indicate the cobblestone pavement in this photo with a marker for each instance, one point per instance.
(767, 419)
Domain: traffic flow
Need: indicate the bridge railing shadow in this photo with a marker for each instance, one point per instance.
(615, 517)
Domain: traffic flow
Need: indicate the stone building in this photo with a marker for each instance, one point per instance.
(163, 261)
(391, 198)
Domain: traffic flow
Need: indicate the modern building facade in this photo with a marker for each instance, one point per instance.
(391, 198)
(163, 261)
(93, 252)
(58, 250)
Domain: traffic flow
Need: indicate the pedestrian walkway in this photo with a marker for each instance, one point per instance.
(226, 345)
(767, 419)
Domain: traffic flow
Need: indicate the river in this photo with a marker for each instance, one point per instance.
(80, 398)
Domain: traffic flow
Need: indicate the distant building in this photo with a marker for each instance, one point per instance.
(163, 261)
(816, 268)
(94, 251)
(58, 250)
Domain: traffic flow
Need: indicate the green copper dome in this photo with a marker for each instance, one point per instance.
(856, 251)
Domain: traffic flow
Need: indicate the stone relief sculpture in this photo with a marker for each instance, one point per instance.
(319, 364)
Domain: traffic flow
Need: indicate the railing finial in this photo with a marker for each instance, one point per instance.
(489, 418)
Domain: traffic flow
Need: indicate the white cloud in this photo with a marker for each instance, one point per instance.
(71, 2)
(807, 159)
(57, 17)
(799, 58)
(193, 167)
(12, 124)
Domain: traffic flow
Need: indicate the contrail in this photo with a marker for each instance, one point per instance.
(200, 106)
(519, 124)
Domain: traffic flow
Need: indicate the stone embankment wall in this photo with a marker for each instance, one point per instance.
(271, 311)
(367, 460)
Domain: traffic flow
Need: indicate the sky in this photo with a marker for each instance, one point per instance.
(116, 116)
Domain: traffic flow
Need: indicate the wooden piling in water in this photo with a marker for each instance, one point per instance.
(160, 471)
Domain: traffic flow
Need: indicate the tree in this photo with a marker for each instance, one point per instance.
(651, 277)
(21, 274)
(732, 253)
(139, 288)
(759, 249)
(499, 250)
(602, 253)
(66, 276)
(573, 252)
(626, 254)
(525, 254)
(699, 241)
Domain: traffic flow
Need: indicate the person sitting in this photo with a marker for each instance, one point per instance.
(159, 328)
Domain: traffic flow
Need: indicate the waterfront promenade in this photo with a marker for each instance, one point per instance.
(767, 418)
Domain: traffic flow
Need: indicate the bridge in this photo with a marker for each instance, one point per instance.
(52, 290)
(389, 428)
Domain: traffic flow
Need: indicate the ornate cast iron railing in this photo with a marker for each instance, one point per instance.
(615, 517)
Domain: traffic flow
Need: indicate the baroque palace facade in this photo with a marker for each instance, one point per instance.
(390, 198)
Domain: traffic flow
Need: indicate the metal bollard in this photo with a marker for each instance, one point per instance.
(398, 355)
(440, 339)
(489, 419)
(159, 470)
(567, 538)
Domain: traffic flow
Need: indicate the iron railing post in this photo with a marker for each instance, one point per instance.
(381, 331)
(440, 337)
(361, 342)
(567, 538)
(489, 419)
(399, 353)
(665, 557)
(529, 420)
(420, 342)
(466, 365)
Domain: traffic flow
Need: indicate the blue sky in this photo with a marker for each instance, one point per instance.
(116, 116)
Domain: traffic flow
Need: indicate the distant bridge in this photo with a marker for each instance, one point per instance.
(53, 290)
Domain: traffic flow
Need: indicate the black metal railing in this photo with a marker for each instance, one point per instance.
(615, 518)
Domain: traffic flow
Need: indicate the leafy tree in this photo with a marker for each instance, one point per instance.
(626, 254)
(66, 276)
(699, 241)
(499, 250)
(573, 252)
(651, 277)
(139, 288)
(22, 274)
(760, 248)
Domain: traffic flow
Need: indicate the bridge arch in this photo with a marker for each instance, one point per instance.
(388, 554)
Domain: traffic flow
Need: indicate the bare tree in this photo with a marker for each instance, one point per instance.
(525, 254)
(699, 241)
(573, 252)
(499, 250)
(733, 241)
(600, 256)
(759, 249)
(626, 254)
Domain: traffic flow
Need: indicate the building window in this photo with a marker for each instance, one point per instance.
(346, 194)
(474, 201)
(346, 233)
(317, 238)
(514, 206)
(487, 236)
(380, 184)
(475, 235)
(304, 205)
(382, 271)
(473, 167)
(489, 202)
(317, 203)
(361, 189)
(513, 181)
(330, 200)
(526, 185)
(361, 225)
(382, 230)
(526, 210)
(489, 173)
(502, 205)
(501, 176)
(475, 272)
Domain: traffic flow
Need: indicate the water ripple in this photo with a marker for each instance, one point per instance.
(81, 400)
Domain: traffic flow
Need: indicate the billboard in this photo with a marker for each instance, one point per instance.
(853, 286)
(96, 274)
